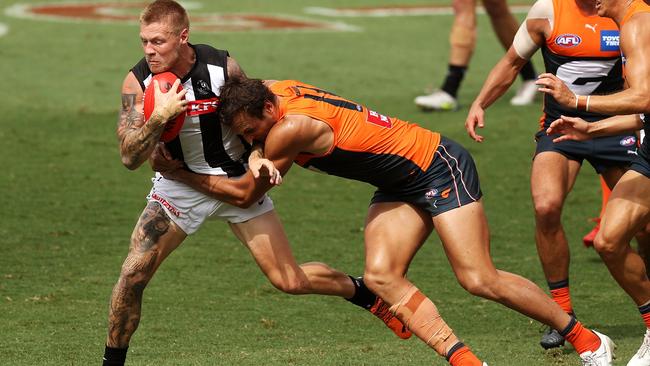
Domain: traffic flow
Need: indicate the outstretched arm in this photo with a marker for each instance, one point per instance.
(496, 84)
(573, 128)
(529, 38)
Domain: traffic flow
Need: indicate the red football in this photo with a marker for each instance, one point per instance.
(165, 80)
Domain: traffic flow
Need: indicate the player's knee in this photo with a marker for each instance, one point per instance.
(136, 272)
(605, 245)
(548, 213)
(480, 284)
(376, 279)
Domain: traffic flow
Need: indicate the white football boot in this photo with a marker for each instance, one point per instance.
(526, 94)
(602, 356)
(439, 100)
(642, 356)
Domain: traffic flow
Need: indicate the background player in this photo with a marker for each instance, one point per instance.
(589, 66)
(462, 41)
(627, 211)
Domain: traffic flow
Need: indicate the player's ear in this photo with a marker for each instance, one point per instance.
(185, 35)
(269, 107)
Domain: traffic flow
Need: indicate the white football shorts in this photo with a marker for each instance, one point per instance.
(189, 208)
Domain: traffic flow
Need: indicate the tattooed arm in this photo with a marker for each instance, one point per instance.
(136, 138)
(233, 69)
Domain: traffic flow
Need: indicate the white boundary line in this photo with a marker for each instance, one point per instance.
(396, 11)
(22, 10)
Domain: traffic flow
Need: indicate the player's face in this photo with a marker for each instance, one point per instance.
(253, 128)
(161, 45)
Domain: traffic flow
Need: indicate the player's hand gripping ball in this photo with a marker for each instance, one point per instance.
(165, 81)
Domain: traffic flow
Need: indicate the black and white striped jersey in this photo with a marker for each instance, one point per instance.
(205, 144)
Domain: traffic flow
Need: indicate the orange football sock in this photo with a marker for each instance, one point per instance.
(581, 338)
(461, 355)
(561, 295)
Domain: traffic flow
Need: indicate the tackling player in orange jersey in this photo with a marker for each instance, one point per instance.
(581, 48)
(423, 180)
(628, 209)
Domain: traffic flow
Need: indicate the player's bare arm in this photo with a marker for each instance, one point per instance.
(530, 36)
(124, 312)
(496, 84)
(137, 139)
(289, 137)
(262, 167)
(234, 70)
(574, 128)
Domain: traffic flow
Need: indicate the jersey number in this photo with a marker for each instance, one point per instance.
(335, 100)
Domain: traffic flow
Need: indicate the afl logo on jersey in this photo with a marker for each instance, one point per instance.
(431, 194)
(628, 141)
(568, 40)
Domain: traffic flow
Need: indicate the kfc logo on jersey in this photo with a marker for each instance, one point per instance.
(568, 40)
(609, 40)
(203, 106)
(628, 141)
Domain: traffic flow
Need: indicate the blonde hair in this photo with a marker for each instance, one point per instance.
(166, 11)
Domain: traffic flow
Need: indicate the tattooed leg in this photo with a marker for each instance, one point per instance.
(153, 238)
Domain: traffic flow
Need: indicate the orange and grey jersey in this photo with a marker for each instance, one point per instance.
(384, 151)
(583, 52)
(203, 143)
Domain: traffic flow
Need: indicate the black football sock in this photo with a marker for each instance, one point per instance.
(528, 72)
(362, 297)
(114, 356)
(455, 75)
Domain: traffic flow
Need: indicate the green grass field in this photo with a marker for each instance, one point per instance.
(69, 206)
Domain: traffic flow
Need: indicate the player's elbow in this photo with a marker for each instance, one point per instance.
(130, 163)
(240, 198)
(244, 202)
(242, 193)
(646, 104)
(641, 101)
